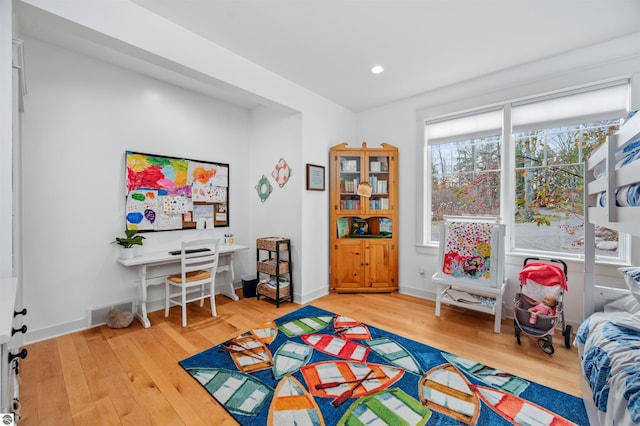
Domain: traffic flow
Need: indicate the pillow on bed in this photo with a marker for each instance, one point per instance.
(632, 279)
(626, 303)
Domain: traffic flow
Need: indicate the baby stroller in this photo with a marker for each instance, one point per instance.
(541, 279)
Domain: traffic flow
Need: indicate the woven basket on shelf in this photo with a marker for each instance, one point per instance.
(271, 243)
(268, 266)
(270, 292)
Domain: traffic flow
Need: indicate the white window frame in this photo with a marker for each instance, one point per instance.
(476, 123)
(507, 178)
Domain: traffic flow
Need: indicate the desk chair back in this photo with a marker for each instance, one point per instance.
(198, 265)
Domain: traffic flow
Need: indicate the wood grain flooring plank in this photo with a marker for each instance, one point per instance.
(134, 360)
(106, 413)
(132, 377)
(80, 398)
(115, 378)
(53, 406)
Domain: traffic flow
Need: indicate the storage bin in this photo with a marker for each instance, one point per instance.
(268, 266)
(249, 283)
(266, 290)
(272, 243)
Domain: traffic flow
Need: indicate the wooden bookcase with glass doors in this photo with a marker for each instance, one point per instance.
(364, 218)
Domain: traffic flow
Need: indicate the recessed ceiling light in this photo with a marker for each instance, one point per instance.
(377, 69)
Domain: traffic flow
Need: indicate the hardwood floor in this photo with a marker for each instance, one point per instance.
(131, 376)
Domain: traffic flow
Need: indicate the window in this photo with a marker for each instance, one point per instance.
(539, 190)
(549, 178)
(465, 171)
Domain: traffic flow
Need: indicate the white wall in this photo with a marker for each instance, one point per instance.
(276, 135)
(6, 120)
(82, 114)
(399, 124)
(58, 295)
(315, 204)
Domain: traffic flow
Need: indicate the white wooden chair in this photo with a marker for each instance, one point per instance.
(199, 262)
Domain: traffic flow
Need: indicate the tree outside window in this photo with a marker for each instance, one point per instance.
(465, 179)
(549, 188)
(548, 140)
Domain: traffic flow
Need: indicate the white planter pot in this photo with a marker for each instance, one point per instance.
(127, 253)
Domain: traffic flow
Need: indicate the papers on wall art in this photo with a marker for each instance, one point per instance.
(209, 182)
(161, 192)
(203, 215)
(175, 205)
(210, 194)
(202, 211)
(141, 209)
(221, 213)
(167, 222)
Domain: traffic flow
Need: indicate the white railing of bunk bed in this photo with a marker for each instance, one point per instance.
(621, 219)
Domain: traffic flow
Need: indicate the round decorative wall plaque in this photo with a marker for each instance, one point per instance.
(264, 188)
(281, 172)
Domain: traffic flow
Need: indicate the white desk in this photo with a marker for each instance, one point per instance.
(147, 260)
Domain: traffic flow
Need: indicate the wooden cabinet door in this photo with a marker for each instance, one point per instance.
(379, 171)
(380, 264)
(347, 269)
(350, 168)
(347, 172)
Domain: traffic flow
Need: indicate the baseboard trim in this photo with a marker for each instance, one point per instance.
(35, 336)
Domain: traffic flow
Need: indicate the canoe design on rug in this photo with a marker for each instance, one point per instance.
(390, 406)
(337, 346)
(447, 390)
(266, 333)
(349, 328)
(238, 392)
(289, 357)
(394, 353)
(333, 379)
(519, 411)
(305, 325)
(490, 376)
(249, 353)
(293, 405)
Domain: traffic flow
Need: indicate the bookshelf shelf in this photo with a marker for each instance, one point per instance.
(364, 218)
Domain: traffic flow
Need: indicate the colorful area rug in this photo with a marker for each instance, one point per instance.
(313, 367)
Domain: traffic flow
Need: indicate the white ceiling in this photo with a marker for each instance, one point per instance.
(329, 46)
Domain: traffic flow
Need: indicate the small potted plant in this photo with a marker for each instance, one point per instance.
(126, 243)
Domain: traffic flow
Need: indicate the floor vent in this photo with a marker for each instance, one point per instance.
(98, 315)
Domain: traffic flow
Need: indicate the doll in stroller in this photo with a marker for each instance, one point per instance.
(538, 307)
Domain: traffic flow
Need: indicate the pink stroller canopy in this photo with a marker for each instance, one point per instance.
(544, 274)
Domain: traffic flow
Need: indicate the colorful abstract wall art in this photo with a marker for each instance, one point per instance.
(166, 193)
(467, 250)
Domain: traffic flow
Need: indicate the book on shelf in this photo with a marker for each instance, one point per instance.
(349, 166)
(468, 298)
(386, 225)
(343, 227)
(461, 296)
(272, 282)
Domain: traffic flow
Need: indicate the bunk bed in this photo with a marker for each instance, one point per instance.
(608, 341)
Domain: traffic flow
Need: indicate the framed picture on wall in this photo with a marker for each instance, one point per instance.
(315, 177)
(171, 193)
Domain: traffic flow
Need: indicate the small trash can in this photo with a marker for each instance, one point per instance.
(249, 283)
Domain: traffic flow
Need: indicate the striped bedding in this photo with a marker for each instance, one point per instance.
(609, 347)
(627, 195)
